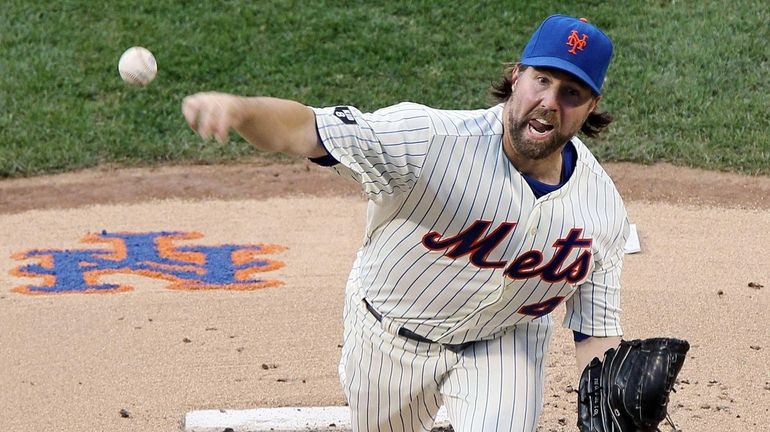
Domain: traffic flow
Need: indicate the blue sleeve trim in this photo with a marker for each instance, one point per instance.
(326, 160)
(579, 337)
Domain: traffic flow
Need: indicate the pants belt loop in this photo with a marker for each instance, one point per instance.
(373, 311)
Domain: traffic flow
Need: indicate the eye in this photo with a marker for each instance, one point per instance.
(542, 79)
(574, 92)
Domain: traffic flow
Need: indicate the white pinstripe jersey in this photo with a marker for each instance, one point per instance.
(457, 247)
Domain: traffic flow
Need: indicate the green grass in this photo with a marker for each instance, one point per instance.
(688, 84)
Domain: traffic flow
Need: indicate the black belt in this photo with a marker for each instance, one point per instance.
(408, 334)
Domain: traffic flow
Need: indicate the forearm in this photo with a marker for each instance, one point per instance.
(279, 125)
(270, 124)
(587, 349)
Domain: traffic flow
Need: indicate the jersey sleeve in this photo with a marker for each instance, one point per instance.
(384, 151)
(594, 309)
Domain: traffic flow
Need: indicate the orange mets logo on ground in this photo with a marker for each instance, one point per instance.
(151, 254)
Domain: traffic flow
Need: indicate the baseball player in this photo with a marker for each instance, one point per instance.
(479, 224)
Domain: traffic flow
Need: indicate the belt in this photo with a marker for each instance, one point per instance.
(408, 334)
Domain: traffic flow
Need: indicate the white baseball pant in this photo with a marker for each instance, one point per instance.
(396, 384)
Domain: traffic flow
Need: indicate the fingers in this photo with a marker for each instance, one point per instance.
(208, 115)
(221, 127)
(190, 108)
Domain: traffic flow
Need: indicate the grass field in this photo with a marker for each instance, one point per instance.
(688, 84)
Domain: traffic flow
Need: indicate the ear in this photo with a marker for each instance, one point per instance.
(514, 75)
(595, 103)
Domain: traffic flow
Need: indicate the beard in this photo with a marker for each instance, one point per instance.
(531, 149)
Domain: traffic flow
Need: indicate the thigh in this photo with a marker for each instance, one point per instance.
(498, 384)
(391, 383)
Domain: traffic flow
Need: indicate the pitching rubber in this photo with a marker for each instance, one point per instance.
(290, 419)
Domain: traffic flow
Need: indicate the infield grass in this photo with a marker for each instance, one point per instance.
(689, 83)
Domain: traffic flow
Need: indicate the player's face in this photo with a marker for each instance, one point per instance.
(546, 109)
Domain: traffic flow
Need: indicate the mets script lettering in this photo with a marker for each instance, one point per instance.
(151, 254)
(477, 246)
(473, 243)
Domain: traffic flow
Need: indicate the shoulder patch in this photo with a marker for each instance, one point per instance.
(343, 113)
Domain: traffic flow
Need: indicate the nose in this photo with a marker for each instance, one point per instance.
(550, 99)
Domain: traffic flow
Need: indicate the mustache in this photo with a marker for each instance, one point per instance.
(547, 115)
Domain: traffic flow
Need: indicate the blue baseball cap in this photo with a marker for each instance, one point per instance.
(573, 46)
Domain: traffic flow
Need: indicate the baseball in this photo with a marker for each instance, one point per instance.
(137, 66)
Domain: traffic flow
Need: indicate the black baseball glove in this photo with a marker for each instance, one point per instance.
(628, 391)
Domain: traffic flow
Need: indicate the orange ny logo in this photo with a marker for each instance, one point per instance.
(575, 42)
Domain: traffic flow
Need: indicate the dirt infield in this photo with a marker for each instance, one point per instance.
(144, 345)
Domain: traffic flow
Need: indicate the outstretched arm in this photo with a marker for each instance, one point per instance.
(270, 124)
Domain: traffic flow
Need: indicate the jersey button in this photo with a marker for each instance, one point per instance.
(533, 230)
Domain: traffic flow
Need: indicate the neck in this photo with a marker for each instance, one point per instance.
(546, 170)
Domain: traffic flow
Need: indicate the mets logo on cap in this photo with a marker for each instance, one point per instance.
(571, 45)
(576, 43)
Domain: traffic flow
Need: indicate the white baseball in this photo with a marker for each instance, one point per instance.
(137, 66)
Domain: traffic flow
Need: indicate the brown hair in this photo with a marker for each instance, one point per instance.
(501, 91)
